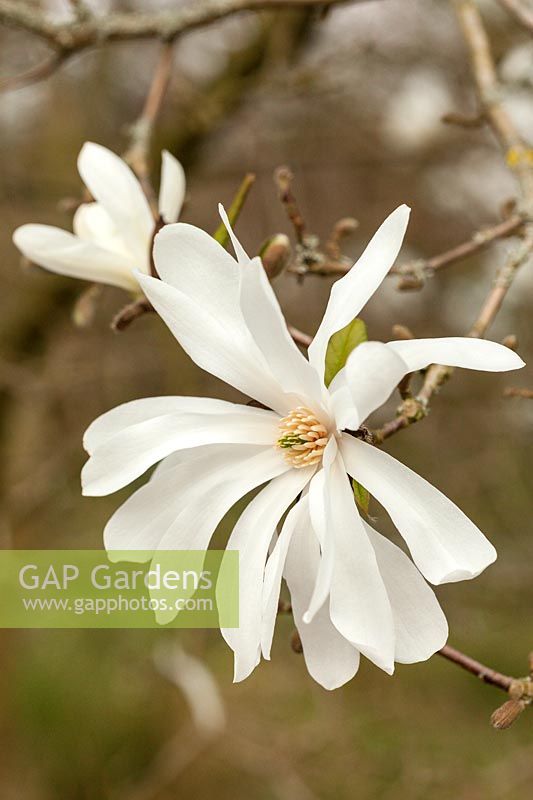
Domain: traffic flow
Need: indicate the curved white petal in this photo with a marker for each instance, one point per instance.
(121, 417)
(66, 254)
(114, 186)
(129, 453)
(142, 520)
(446, 546)
(419, 623)
(330, 659)
(371, 374)
(359, 606)
(205, 506)
(274, 572)
(93, 224)
(267, 325)
(240, 252)
(319, 514)
(172, 188)
(234, 297)
(350, 293)
(251, 537)
(456, 351)
(181, 508)
(217, 344)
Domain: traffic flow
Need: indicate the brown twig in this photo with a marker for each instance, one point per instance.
(86, 30)
(300, 337)
(38, 73)
(141, 131)
(130, 313)
(480, 240)
(486, 674)
(485, 77)
(413, 273)
(284, 178)
(520, 690)
(521, 14)
(462, 120)
(515, 391)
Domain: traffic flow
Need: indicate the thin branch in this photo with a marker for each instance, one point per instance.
(86, 30)
(300, 337)
(130, 313)
(35, 74)
(490, 94)
(76, 36)
(284, 178)
(138, 153)
(81, 11)
(480, 240)
(486, 674)
(515, 391)
(521, 14)
(485, 77)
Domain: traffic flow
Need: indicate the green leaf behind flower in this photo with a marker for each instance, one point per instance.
(221, 235)
(341, 345)
(362, 496)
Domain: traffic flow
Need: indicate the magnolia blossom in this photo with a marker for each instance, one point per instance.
(112, 236)
(353, 592)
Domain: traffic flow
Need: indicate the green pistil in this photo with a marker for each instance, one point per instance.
(290, 439)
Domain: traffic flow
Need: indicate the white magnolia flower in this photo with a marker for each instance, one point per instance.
(352, 590)
(112, 236)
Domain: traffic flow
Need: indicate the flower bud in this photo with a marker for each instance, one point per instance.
(296, 642)
(505, 715)
(276, 254)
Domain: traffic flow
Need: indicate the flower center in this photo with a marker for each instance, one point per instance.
(302, 438)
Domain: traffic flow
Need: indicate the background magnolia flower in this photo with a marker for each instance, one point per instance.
(352, 590)
(112, 236)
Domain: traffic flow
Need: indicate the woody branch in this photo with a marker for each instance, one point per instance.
(86, 30)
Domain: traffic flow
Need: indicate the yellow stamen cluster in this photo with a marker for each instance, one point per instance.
(302, 438)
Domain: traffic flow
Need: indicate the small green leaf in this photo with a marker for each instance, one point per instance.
(362, 496)
(221, 234)
(341, 345)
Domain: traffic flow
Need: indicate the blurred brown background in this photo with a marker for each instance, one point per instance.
(353, 103)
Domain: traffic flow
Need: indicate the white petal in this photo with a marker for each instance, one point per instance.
(113, 185)
(320, 513)
(205, 506)
(251, 537)
(93, 224)
(121, 417)
(359, 606)
(181, 508)
(446, 546)
(141, 522)
(235, 306)
(419, 623)
(273, 574)
(330, 658)
(221, 347)
(350, 293)
(266, 322)
(129, 453)
(456, 351)
(371, 374)
(240, 252)
(172, 188)
(66, 254)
